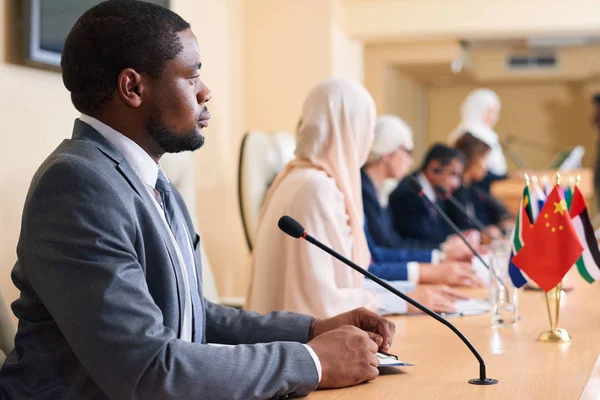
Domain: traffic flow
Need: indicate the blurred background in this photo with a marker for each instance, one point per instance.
(418, 58)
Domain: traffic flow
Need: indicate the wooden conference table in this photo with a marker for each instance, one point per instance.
(525, 368)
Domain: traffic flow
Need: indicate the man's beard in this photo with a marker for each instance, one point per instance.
(171, 142)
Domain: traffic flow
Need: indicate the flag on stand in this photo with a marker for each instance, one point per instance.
(588, 264)
(569, 197)
(520, 232)
(538, 198)
(552, 245)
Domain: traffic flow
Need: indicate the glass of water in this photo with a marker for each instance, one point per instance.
(504, 299)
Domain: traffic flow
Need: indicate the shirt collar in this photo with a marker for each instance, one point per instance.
(427, 188)
(140, 161)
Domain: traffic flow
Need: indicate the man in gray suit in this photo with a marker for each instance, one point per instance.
(108, 266)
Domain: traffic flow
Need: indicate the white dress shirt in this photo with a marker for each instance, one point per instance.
(147, 170)
(427, 188)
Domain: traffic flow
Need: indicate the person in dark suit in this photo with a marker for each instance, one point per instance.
(390, 158)
(413, 217)
(476, 152)
(108, 267)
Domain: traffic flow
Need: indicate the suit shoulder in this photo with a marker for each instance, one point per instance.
(72, 159)
(73, 169)
(403, 190)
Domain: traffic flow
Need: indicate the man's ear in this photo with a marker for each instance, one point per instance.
(131, 87)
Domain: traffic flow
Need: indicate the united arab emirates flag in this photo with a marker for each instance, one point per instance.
(588, 264)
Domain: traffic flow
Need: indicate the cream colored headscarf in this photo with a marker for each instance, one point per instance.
(473, 111)
(334, 134)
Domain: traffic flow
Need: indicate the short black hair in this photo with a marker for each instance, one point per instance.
(442, 153)
(112, 36)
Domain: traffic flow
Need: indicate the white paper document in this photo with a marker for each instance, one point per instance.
(469, 307)
(386, 360)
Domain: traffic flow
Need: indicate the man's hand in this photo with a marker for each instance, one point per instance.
(347, 355)
(453, 273)
(456, 250)
(495, 231)
(439, 298)
(379, 329)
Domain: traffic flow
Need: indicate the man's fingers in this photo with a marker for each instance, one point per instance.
(377, 339)
(387, 329)
(374, 360)
(392, 329)
(372, 322)
(373, 373)
(445, 307)
(453, 294)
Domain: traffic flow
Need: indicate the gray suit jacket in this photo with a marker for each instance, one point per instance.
(100, 304)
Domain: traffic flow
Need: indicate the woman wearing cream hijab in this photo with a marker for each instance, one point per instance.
(479, 114)
(321, 189)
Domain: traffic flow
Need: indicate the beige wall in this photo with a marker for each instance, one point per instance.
(289, 47)
(37, 114)
(218, 27)
(406, 98)
(385, 20)
(553, 113)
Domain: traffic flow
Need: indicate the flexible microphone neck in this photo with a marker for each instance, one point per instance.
(461, 207)
(291, 227)
(492, 201)
(414, 183)
(514, 155)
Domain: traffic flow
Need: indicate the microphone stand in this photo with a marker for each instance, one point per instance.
(419, 189)
(448, 196)
(482, 380)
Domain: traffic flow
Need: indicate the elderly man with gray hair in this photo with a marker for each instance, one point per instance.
(395, 257)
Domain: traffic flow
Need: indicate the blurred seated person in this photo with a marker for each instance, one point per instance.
(391, 158)
(416, 219)
(321, 189)
(480, 113)
(492, 215)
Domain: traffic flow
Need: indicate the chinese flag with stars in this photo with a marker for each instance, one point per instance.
(552, 245)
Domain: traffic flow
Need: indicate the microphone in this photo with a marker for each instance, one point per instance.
(474, 220)
(492, 201)
(416, 186)
(293, 228)
(414, 183)
(514, 155)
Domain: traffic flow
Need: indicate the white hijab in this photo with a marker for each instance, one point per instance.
(321, 188)
(334, 135)
(473, 111)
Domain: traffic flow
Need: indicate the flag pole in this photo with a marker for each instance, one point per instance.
(555, 334)
(558, 289)
(549, 312)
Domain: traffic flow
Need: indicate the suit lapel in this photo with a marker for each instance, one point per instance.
(83, 131)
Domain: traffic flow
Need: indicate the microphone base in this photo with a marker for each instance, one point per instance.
(483, 382)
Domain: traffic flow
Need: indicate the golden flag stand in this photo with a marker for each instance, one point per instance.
(554, 334)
